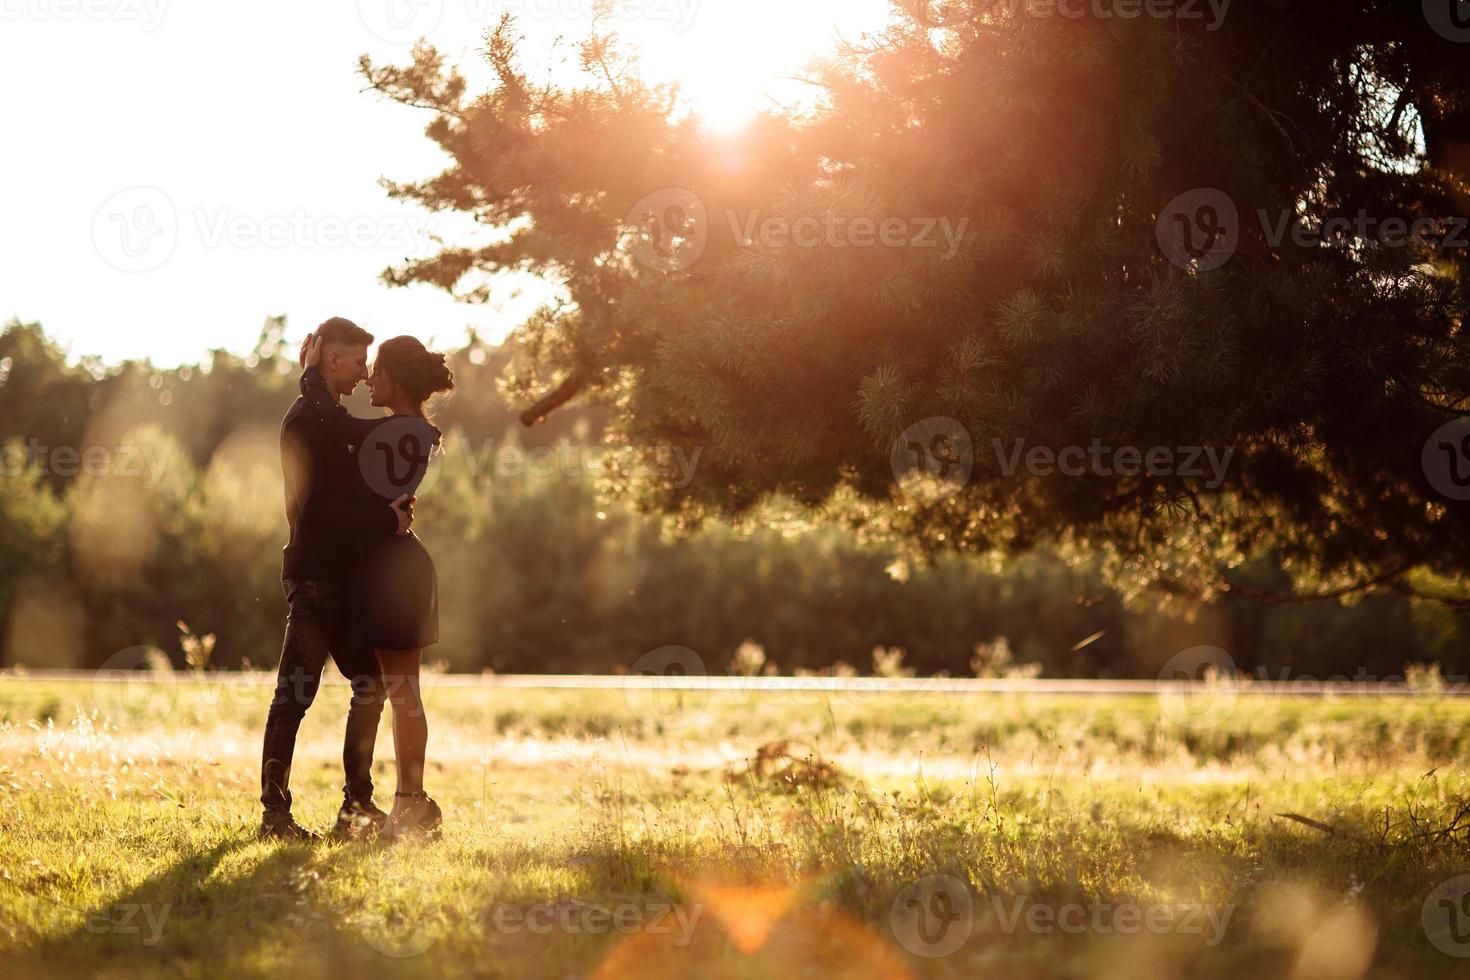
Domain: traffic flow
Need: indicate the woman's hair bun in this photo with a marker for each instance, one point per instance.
(422, 371)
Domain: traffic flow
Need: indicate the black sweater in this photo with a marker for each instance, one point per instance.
(328, 512)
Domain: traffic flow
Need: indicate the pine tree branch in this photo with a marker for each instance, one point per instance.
(563, 393)
(1271, 115)
(1451, 602)
(1276, 598)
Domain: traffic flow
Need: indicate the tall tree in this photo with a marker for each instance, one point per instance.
(1012, 230)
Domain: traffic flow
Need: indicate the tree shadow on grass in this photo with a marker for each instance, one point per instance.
(241, 908)
(246, 908)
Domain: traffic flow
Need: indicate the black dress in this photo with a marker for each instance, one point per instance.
(394, 601)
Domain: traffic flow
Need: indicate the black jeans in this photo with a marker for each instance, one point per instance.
(315, 629)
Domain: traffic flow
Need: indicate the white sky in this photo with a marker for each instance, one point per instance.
(174, 171)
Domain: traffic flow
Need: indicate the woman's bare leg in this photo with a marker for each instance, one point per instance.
(410, 724)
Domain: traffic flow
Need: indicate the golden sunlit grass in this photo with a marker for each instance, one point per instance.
(733, 834)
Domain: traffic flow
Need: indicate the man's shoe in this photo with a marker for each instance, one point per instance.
(358, 820)
(282, 826)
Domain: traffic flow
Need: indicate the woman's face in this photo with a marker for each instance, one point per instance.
(381, 386)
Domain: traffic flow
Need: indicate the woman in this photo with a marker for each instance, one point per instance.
(395, 604)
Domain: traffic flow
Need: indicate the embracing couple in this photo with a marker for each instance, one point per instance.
(360, 586)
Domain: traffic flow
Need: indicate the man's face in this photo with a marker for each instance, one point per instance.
(343, 366)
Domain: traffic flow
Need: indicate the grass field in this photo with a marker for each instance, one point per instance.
(649, 834)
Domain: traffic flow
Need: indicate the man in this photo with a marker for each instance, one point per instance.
(326, 516)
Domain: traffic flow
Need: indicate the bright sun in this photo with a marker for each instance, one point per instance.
(733, 57)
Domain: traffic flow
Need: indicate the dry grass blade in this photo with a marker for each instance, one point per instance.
(1309, 822)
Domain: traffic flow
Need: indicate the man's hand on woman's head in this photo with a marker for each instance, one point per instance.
(403, 507)
(311, 351)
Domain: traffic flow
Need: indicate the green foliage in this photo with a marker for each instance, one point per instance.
(547, 562)
(1055, 143)
(33, 525)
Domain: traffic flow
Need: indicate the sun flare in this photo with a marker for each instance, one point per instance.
(731, 60)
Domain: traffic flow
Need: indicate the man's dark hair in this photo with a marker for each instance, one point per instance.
(340, 330)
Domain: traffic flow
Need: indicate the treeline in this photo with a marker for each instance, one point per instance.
(133, 499)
